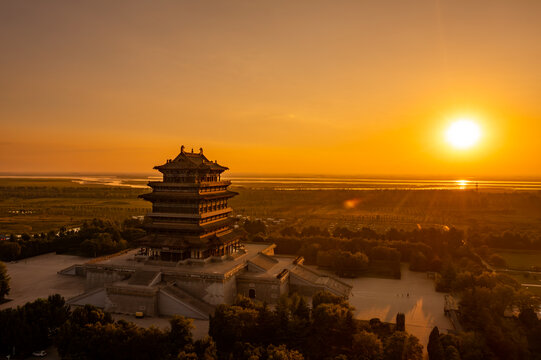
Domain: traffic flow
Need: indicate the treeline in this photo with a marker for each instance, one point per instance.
(31, 327)
(328, 330)
(356, 252)
(89, 333)
(243, 331)
(4, 282)
(94, 238)
(505, 240)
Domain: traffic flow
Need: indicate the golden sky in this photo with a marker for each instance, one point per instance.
(304, 86)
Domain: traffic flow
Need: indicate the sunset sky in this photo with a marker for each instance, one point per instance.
(299, 87)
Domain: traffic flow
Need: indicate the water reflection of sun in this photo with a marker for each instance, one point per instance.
(462, 184)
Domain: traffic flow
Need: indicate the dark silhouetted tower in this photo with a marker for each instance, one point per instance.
(190, 214)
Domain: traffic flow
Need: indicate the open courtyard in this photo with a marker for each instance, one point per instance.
(384, 298)
(37, 277)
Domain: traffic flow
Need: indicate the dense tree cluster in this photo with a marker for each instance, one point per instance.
(90, 334)
(4, 282)
(343, 263)
(476, 345)
(423, 248)
(255, 227)
(31, 327)
(505, 240)
(94, 238)
(488, 304)
(243, 331)
(327, 331)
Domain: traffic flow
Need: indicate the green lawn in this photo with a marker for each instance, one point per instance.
(521, 259)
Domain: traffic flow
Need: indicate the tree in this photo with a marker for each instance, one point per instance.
(366, 346)
(289, 231)
(451, 353)
(301, 308)
(9, 250)
(206, 349)
(384, 253)
(435, 264)
(348, 264)
(434, 347)
(400, 322)
(31, 326)
(230, 324)
(401, 346)
(181, 333)
(325, 297)
(255, 227)
(89, 314)
(332, 328)
(4, 281)
(282, 353)
(418, 262)
(497, 260)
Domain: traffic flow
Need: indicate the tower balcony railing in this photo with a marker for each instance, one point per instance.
(189, 184)
(215, 183)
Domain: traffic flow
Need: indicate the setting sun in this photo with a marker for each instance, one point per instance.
(463, 134)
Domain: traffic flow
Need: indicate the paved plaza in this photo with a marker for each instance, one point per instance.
(384, 298)
(37, 277)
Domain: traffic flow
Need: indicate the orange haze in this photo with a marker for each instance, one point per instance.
(308, 86)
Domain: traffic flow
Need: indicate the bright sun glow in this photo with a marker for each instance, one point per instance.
(462, 183)
(463, 134)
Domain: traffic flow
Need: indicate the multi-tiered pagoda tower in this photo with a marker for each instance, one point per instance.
(190, 213)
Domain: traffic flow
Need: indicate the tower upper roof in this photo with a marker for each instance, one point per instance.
(191, 160)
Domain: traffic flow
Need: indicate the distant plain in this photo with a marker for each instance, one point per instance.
(33, 204)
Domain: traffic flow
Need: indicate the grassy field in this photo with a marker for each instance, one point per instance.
(522, 278)
(37, 204)
(381, 209)
(521, 259)
(535, 290)
(40, 205)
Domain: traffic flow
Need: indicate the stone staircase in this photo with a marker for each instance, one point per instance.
(187, 299)
(320, 281)
(145, 278)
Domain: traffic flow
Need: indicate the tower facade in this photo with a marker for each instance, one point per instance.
(190, 211)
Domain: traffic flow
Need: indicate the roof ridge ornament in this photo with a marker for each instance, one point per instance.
(182, 149)
(200, 151)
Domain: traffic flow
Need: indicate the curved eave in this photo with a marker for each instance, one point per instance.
(185, 166)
